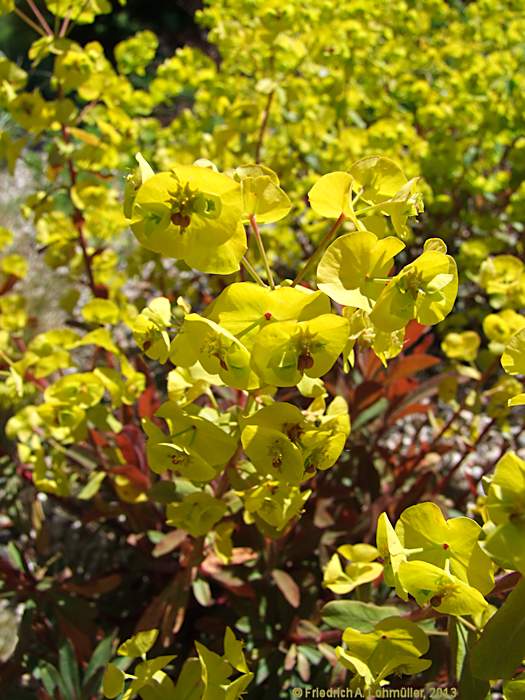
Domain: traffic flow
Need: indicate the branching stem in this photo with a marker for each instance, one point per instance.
(262, 251)
(252, 271)
(37, 28)
(79, 222)
(40, 17)
(320, 248)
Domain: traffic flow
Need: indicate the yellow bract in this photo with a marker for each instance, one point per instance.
(194, 214)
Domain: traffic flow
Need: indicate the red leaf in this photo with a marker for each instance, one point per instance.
(136, 477)
(370, 364)
(413, 334)
(95, 587)
(287, 586)
(79, 639)
(365, 395)
(148, 402)
(233, 584)
(407, 411)
(240, 555)
(410, 365)
(98, 438)
(169, 542)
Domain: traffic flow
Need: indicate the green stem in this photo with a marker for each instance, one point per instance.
(263, 127)
(251, 271)
(320, 248)
(467, 624)
(5, 358)
(262, 251)
(40, 17)
(372, 207)
(65, 24)
(29, 21)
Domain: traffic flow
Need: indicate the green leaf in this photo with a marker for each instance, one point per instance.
(139, 644)
(341, 614)
(100, 657)
(376, 409)
(514, 689)
(458, 641)
(233, 651)
(501, 647)
(469, 685)
(113, 681)
(68, 667)
(92, 487)
(202, 592)
(189, 684)
(52, 679)
(214, 671)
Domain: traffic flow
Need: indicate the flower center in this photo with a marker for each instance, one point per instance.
(185, 202)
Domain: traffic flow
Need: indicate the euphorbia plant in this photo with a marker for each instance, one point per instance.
(225, 321)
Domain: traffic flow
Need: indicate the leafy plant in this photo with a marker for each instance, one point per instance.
(241, 439)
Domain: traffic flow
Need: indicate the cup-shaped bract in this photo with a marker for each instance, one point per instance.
(377, 178)
(197, 513)
(193, 214)
(217, 350)
(513, 359)
(273, 454)
(272, 505)
(344, 580)
(353, 268)
(505, 533)
(331, 196)
(245, 308)
(394, 646)
(446, 593)
(262, 197)
(149, 329)
(424, 290)
(283, 352)
(427, 536)
(461, 346)
(78, 390)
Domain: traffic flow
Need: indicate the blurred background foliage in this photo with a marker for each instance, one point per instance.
(173, 21)
(436, 86)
